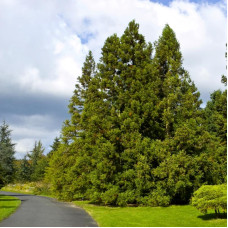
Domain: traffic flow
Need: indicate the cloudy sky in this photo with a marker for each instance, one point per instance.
(43, 44)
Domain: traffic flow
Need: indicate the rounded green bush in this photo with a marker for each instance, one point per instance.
(210, 197)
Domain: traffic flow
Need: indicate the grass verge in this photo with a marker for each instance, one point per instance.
(27, 188)
(172, 216)
(16, 189)
(8, 205)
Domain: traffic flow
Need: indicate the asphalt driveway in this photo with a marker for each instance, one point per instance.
(39, 211)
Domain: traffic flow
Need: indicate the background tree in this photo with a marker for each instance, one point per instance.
(2, 181)
(54, 146)
(6, 154)
(24, 170)
(216, 115)
(37, 161)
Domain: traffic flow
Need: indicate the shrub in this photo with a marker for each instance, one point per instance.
(127, 197)
(210, 197)
(42, 188)
(95, 197)
(158, 198)
(110, 196)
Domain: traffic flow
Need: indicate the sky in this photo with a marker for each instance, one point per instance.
(43, 44)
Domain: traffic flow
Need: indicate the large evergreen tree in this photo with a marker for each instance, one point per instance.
(73, 150)
(121, 115)
(136, 132)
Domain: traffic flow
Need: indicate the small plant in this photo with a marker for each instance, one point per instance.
(211, 197)
(41, 188)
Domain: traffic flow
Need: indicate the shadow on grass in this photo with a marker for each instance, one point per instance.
(213, 216)
(9, 199)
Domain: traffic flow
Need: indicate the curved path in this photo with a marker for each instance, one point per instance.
(40, 211)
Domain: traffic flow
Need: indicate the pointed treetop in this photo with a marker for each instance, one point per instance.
(167, 52)
(88, 70)
(169, 41)
(134, 49)
(131, 34)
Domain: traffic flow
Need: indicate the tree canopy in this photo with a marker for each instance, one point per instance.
(136, 133)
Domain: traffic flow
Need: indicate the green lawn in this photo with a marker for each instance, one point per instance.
(8, 205)
(173, 216)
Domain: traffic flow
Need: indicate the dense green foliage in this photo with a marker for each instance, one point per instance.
(23, 170)
(32, 166)
(1, 177)
(210, 197)
(137, 134)
(6, 155)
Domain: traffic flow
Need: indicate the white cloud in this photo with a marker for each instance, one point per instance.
(30, 129)
(44, 43)
(46, 37)
(200, 29)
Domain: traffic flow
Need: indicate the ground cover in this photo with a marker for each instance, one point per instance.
(19, 188)
(172, 216)
(8, 205)
(27, 188)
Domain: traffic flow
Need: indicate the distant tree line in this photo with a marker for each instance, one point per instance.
(31, 168)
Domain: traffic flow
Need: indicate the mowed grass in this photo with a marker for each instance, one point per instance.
(172, 216)
(8, 204)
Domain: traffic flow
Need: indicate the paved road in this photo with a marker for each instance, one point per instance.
(39, 211)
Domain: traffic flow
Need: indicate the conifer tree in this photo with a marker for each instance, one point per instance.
(215, 115)
(70, 152)
(179, 98)
(35, 157)
(127, 100)
(136, 132)
(36, 153)
(24, 170)
(54, 146)
(6, 153)
(2, 181)
(72, 128)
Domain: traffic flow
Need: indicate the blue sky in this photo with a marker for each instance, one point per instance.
(43, 45)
